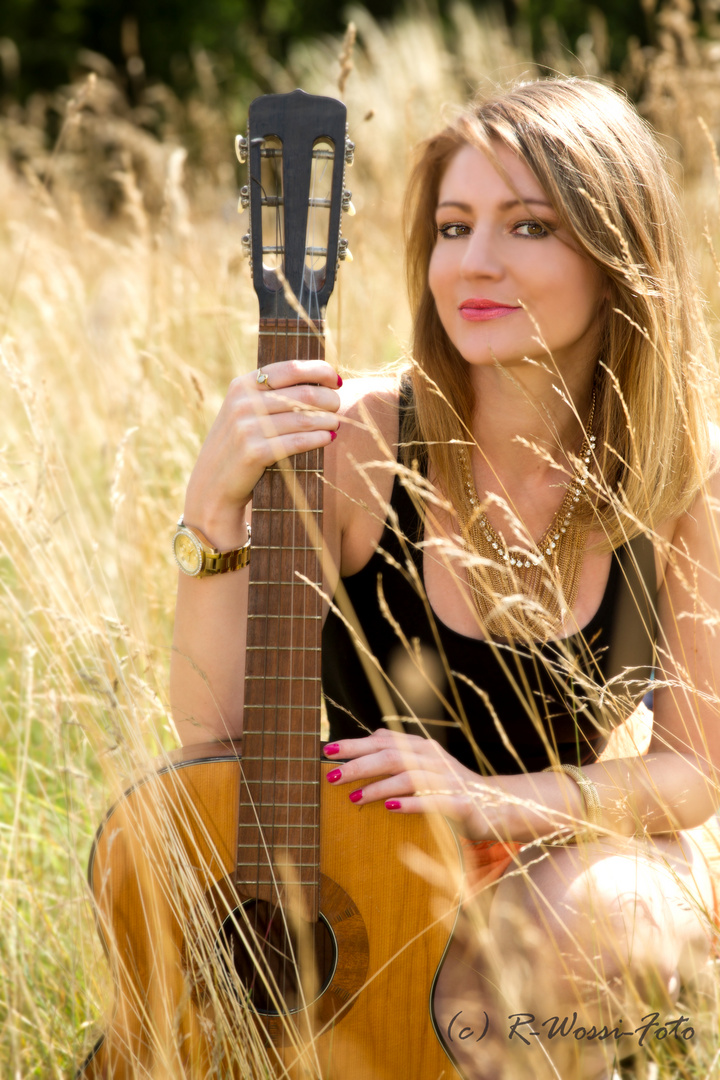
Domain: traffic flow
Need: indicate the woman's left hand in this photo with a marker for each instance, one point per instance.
(418, 777)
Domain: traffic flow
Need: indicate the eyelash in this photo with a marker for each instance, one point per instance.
(444, 230)
(536, 236)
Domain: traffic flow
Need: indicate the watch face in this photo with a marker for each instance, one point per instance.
(188, 553)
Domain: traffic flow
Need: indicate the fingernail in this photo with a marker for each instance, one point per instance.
(391, 804)
(334, 776)
(332, 748)
(339, 382)
(356, 796)
(333, 436)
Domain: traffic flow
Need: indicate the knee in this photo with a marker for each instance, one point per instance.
(583, 918)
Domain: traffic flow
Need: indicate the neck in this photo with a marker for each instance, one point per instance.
(529, 405)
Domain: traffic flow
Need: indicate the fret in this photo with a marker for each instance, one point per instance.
(296, 582)
(307, 848)
(279, 757)
(295, 470)
(285, 678)
(290, 618)
(254, 881)
(284, 547)
(284, 806)
(250, 863)
(278, 512)
(285, 648)
(279, 783)
(288, 708)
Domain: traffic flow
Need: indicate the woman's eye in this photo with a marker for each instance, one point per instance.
(532, 229)
(453, 229)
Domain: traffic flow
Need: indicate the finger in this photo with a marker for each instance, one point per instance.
(455, 807)
(403, 784)
(295, 442)
(382, 739)
(277, 425)
(287, 373)
(362, 768)
(295, 399)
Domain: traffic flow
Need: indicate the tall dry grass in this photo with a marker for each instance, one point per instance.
(125, 310)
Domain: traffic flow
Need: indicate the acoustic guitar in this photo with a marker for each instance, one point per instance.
(257, 923)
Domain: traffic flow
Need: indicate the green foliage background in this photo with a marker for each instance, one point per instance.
(50, 35)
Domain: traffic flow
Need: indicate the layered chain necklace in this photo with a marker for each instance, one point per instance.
(527, 594)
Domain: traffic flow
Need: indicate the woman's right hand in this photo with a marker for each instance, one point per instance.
(259, 424)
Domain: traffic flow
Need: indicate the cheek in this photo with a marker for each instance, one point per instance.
(442, 273)
(434, 275)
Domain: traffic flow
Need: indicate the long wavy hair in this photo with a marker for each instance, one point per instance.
(605, 175)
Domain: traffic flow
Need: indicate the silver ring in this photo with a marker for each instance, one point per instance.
(262, 380)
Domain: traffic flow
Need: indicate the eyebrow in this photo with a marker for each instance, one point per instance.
(507, 205)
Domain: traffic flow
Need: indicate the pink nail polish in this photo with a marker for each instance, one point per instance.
(391, 804)
(332, 748)
(339, 382)
(333, 436)
(356, 796)
(334, 776)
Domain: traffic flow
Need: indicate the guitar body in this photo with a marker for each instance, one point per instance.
(259, 924)
(160, 873)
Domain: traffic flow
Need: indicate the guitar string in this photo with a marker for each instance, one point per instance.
(320, 180)
(303, 302)
(268, 821)
(308, 599)
(279, 352)
(262, 841)
(316, 597)
(309, 243)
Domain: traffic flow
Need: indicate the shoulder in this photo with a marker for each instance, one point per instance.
(688, 615)
(360, 466)
(693, 537)
(705, 501)
(374, 397)
(368, 418)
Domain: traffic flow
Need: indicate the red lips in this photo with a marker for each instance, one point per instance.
(480, 310)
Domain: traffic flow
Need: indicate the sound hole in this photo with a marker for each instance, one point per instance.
(281, 967)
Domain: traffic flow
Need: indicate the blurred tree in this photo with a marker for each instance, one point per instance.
(624, 18)
(49, 34)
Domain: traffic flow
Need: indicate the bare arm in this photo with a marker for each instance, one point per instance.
(673, 787)
(253, 429)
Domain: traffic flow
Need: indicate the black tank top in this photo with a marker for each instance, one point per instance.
(498, 708)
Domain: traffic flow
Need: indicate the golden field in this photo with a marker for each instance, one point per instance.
(125, 310)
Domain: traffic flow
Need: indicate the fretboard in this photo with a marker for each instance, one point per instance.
(279, 806)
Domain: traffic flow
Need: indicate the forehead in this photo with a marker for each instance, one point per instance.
(500, 175)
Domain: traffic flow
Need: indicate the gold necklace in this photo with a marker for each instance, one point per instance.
(521, 593)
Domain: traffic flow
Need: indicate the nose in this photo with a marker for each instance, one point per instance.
(481, 257)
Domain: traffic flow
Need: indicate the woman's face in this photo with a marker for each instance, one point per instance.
(505, 279)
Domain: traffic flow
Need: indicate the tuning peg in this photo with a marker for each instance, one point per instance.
(344, 251)
(246, 243)
(244, 200)
(241, 148)
(349, 151)
(347, 205)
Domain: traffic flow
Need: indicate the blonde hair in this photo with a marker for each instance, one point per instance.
(604, 174)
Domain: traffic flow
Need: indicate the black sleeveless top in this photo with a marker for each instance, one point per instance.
(498, 708)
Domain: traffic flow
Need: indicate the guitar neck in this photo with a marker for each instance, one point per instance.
(279, 808)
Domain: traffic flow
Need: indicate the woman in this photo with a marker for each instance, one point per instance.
(551, 434)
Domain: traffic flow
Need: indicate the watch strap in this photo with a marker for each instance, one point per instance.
(219, 562)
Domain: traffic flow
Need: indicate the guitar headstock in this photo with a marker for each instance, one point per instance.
(297, 151)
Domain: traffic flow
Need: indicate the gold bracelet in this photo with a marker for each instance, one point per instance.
(589, 791)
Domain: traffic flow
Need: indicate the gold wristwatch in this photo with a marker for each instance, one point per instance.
(196, 556)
